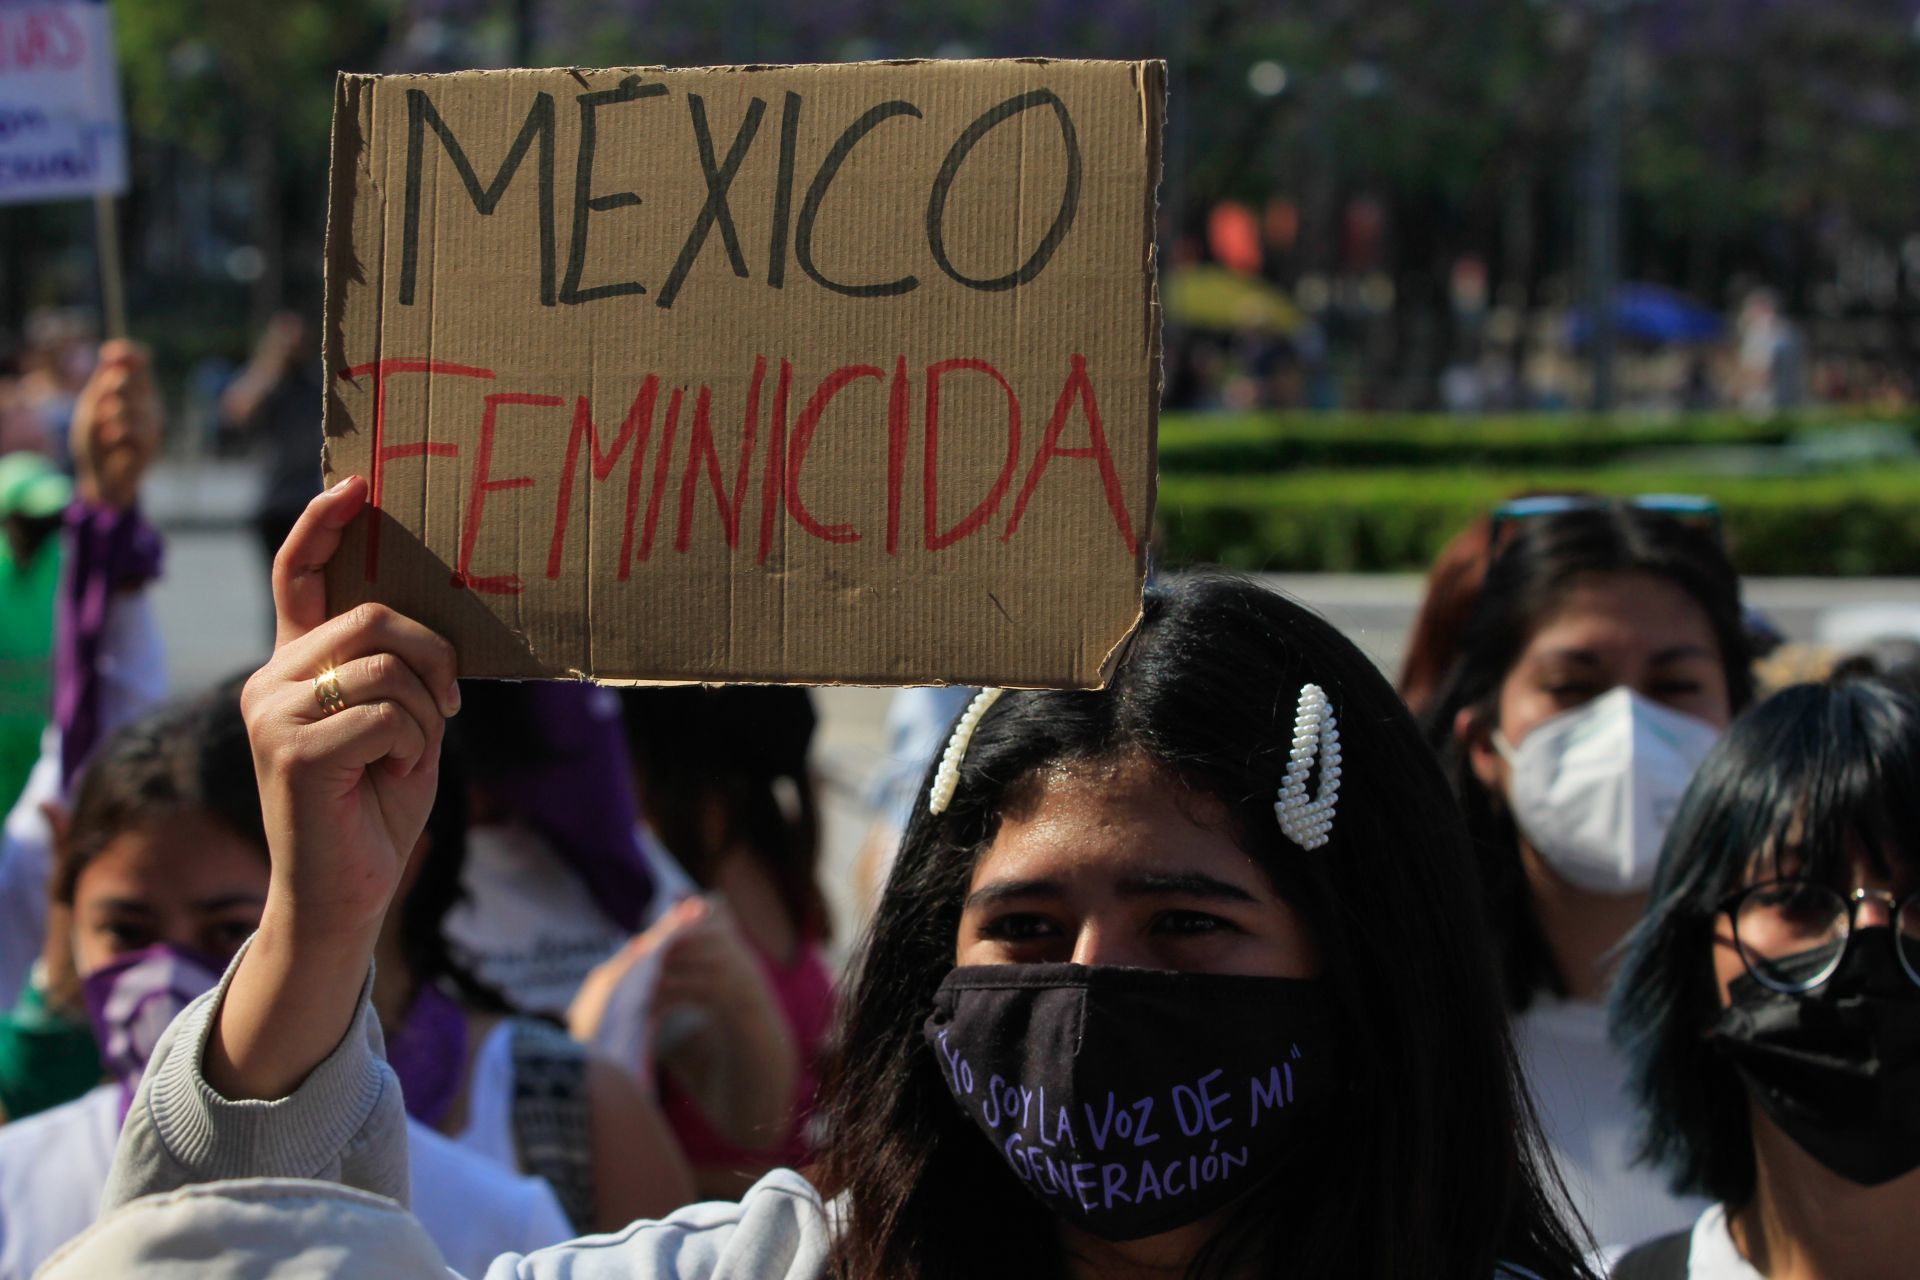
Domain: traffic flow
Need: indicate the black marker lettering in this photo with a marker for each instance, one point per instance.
(585, 202)
(950, 169)
(783, 192)
(422, 116)
(817, 193)
(719, 179)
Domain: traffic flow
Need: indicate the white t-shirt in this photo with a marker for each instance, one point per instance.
(1711, 1253)
(133, 680)
(489, 1130)
(53, 1169)
(1592, 1127)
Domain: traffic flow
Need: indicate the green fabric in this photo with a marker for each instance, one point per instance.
(46, 1057)
(27, 594)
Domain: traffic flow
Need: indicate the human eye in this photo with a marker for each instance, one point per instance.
(1570, 693)
(1018, 926)
(126, 935)
(1676, 690)
(227, 936)
(1193, 924)
(1797, 902)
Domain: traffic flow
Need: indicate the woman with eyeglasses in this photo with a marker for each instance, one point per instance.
(1770, 1000)
(1604, 657)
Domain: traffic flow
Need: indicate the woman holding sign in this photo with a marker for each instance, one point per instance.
(1183, 976)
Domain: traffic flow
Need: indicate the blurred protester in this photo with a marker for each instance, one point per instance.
(1606, 655)
(515, 1089)
(55, 364)
(33, 496)
(1891, 659)
(20, 428)
(162, 874)
(1770, 1000)
(1102, 897)
(278, 399)
(1452, 593)
(558, 873)
(1769, 357)
(109, 665)
(725, 779)
(918, 722)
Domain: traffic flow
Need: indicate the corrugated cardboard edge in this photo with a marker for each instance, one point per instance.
(1151, 82)
(346, 149)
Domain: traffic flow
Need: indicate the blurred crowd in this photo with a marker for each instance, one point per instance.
(1673, 355)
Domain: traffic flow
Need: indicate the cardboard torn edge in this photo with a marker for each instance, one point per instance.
(658, 68)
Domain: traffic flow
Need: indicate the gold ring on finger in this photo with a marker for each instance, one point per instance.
(328, 692)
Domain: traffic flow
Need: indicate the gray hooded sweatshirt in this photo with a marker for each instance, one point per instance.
(346, 1124)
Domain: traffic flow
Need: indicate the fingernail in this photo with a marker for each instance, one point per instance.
(450, 704)
(340, 486)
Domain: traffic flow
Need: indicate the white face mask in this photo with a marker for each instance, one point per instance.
(1594, 789)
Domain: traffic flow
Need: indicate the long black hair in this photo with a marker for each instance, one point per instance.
(1817, 773)
(1436, 1169)
(189, 755)
(739, 753)
(1544, 559)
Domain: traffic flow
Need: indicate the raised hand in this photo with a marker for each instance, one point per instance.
(346, 721)
(116, 426)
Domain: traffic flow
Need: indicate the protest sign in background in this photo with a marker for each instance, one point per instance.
(793, 373)
(61, 132)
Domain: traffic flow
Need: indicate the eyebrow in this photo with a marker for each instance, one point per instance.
(128, 906)
(1591, 658)
(1680, 651)
(1186, 884)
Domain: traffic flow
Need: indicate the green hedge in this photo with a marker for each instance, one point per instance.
(1850, 523)
(1238, 443)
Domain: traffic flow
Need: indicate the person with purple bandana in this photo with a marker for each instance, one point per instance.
(160, 876)
(108, 667)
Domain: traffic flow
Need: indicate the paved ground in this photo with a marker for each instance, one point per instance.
(213, 609)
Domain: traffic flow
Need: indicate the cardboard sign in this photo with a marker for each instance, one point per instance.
(809, 374)
(61, 132)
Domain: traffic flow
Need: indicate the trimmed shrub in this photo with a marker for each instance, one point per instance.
(1852, 523)
(1237, 443)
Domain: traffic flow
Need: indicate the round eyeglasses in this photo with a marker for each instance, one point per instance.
(1792, 934)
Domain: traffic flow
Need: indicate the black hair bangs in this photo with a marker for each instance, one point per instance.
(1817, 778)
(1805, 785)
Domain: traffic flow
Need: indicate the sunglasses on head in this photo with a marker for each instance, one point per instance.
(1691, 509)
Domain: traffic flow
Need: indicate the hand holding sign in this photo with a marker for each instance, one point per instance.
(346, 721)
(116, 427)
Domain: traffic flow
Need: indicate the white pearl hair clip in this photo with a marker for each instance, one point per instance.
(947, 780)
(1307, 822)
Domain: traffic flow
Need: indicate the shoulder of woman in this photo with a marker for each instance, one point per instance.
(776, 1231)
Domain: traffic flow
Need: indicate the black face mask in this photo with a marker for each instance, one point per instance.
(1838, 1068)
(1134, 1101)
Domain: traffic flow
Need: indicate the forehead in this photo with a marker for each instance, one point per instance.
(1639, 612)
(1112, 818)
(187, 855)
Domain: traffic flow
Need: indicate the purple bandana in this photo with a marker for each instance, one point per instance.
(428, 1051)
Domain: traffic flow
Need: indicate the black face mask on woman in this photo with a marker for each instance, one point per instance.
(1134, 1101)
(1837, 1068)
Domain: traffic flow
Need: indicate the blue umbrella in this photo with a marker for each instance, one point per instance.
(1654, 313)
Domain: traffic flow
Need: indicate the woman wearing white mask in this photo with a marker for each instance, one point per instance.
(1605, 657)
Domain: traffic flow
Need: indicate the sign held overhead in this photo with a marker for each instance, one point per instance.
(817, 374)
(62, 136)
